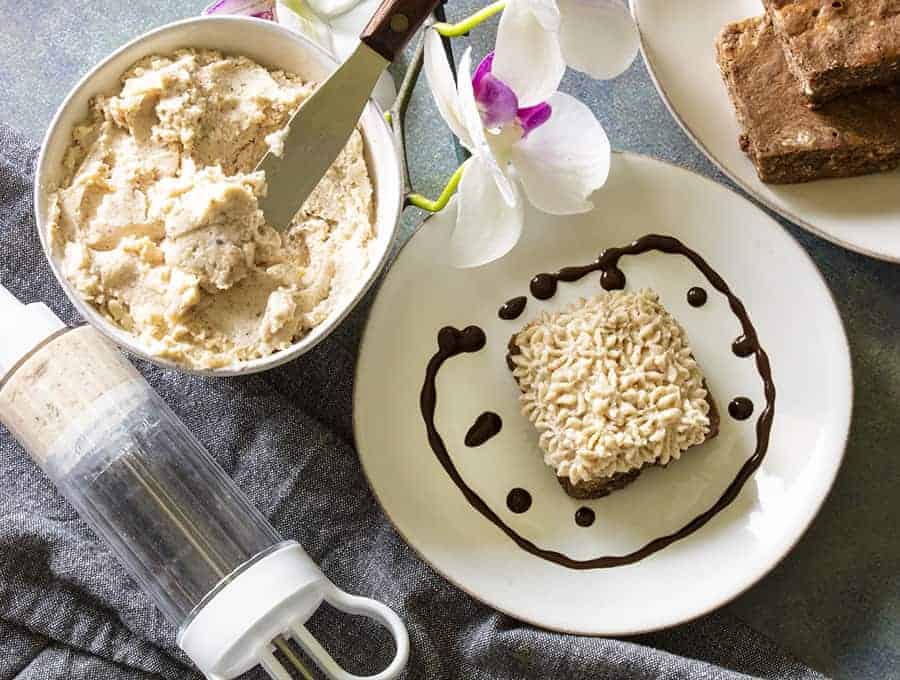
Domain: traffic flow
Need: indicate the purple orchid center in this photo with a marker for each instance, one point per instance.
(499, 105)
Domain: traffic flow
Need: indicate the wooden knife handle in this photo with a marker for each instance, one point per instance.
(394, 23)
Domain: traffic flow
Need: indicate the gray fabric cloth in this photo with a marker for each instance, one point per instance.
(67, 610)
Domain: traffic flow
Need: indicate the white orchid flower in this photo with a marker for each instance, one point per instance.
(537, 39)
(555, 152)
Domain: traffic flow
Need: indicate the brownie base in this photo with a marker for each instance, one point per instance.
(788, 143)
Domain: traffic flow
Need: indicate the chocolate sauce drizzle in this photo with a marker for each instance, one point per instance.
(584, 517)
(452, 342)
(543, 286)
(512, 309)
(486, 426)
(518, 501)
(740, 408)
(696, 296)
(743, 346)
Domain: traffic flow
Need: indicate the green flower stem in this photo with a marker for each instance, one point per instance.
(396, 118)
(436, 206)
(470, 22)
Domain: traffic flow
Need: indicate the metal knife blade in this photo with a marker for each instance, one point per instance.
(316, 135)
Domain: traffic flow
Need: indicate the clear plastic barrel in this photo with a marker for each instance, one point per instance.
(133, 471)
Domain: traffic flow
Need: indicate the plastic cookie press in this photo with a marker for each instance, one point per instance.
(237, 592)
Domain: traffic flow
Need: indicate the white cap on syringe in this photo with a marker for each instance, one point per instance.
(22, 329)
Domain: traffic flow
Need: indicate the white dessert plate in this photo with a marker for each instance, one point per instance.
(798, 326)
(858, 213)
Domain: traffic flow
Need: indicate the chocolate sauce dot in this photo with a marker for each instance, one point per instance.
(452, 341)
(518, 500)
(543, 286)
(472, 339)
(696, 296)
(511, 309)
(447, 338)
(584, 517)
(612, 279)
(740, 408)
(486, 426)
(743, 346)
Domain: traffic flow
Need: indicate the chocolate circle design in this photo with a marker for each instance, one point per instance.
(584, 517)
(696, 296)
(485, 426)
(512, 309)
(518, 501)
(453, 342)
(740, 408)
(743, 346)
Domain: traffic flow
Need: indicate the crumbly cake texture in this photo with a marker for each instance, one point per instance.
(157, 221)
(787, 142)
(833, 48)
(611, 385)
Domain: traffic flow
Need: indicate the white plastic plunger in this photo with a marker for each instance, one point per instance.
(253, 616)
(236, 591)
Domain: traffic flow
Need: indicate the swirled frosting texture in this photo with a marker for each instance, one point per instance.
(157, 220)
(611, 385)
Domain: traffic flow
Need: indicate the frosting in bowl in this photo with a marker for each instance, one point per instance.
(157, 222)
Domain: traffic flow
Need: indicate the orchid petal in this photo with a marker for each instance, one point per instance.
(262, 9)
(484, 68)
(565, 160)
(597, 37)
(345, 29)
(545, 11)
(498, 104)
(528, 57)
(487, 227)
(471, 117)
(443, 87)
(332, 8)
(532, 117)
(297, 16)
(339, 36)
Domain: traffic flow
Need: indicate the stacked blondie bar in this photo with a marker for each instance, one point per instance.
(815, 86)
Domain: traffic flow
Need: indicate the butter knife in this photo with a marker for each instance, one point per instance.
(321, 127)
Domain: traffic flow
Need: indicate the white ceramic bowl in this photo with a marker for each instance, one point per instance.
(271, 45)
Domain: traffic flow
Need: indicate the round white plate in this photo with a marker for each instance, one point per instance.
(798, 326)
(859, 213)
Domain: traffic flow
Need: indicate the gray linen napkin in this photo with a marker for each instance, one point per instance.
(67, 610)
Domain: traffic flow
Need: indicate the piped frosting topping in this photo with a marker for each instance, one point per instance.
(611, 385)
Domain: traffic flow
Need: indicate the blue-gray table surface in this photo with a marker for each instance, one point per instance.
(835, 600)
